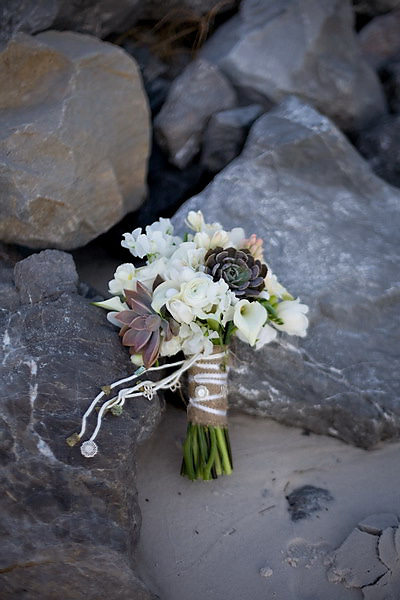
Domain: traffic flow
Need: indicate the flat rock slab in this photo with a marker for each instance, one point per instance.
(369, 561)
(331, 232)
(68, 523)
(74, 139)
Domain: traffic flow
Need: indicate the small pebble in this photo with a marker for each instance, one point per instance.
(266, 572)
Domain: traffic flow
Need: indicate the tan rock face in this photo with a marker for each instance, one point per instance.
(74, 139)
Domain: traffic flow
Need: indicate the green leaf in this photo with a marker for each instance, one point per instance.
(229, 331)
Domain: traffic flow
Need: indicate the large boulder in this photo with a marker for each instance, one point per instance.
(97, 17)
(199, 92)
(380, 145)
(302, 47)
(74, 139)
(331, 231)
(69, 523)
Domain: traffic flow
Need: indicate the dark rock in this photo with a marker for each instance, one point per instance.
(375, 7)
(97, 17)
(369, 561)
(225, 135)
(272, 49)
(381, 147)
(391, 75)
(75, 139)
(331, 231)
(306, 500)
(69, 523)
(380, 39)
(200, 91)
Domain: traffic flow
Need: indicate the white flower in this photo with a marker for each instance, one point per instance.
(185, 262)
(249, 317)
(196, 339)
(180, 311)
(167, 294)
(157, 241)
(202, 240)
(273, 286)
(236, 237)
(114, 304)
(293, 315)
(148, 273)
(173, 346)
(195, 220)
(220, 238)
(124, 279)
(267, 334)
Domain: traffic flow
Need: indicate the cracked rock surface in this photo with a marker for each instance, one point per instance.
(369, 558)
(68, 522)
(331, 233)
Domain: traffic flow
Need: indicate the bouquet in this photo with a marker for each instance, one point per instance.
(193, 295)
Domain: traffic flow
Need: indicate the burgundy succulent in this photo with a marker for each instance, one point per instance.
(142, 326)
(238, 268)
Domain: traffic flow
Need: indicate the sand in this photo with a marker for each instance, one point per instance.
(234, 537)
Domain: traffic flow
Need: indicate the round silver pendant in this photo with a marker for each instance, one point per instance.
(201, 391)
(89, 449)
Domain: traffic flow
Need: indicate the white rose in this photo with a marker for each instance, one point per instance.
(199, 292)
(163, 293)
(124, 279)
(249, 317)
(293, 315)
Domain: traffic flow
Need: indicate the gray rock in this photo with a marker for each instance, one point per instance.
(306, 500)
(97, 17)
(195, 95)
(75, 139)
(375, 7)
(380, 39)
(380, 145)
(331, 231)
(68, 523)
(376, 524)
(225, 135)
(369, 564)
(302, 47)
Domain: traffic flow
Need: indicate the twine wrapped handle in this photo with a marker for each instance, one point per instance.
(208, 389)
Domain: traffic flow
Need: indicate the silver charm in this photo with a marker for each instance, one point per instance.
(89, 449)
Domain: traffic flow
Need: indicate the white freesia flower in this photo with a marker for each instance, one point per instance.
(220, 238)
(124, 279)
(293, 315)
(249, 317)
(195, 220)
(267, 334)
(236, 237)
(273, 287)
(158, 240)
(202, 240)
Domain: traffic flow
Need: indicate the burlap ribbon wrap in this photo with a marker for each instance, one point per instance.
(208, 389)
